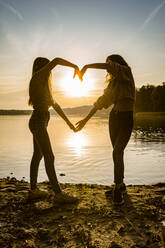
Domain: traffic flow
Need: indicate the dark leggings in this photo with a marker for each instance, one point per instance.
(120, 129)
(42, 148)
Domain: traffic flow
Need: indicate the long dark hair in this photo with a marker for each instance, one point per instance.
(39, 62)
(115, 58)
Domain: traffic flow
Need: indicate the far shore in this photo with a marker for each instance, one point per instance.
(82, 111)
(152, 121)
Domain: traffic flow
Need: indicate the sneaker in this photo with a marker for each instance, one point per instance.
(118, 196)
(122, 187)
(65, 198)
(37, 194)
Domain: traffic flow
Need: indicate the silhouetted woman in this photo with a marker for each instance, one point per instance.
(40, 97)
(120, 92)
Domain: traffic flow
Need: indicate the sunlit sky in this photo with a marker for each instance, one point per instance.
(82, 32)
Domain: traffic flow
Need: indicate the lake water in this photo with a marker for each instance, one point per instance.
(84, 157)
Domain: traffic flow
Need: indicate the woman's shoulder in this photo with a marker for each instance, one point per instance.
(38, 77)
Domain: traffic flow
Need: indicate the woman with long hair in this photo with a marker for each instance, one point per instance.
(41, 99)
(121, 93)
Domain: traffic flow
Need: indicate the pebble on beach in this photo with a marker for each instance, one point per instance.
(93, 222)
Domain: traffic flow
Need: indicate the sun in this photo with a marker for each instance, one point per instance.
(75, 88)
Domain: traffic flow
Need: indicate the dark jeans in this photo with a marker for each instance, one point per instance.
(120, 129)
(42, 148)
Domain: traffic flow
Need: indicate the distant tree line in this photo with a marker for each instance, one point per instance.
(15, 112)
(150, 98)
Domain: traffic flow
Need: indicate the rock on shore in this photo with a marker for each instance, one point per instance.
(93, 222)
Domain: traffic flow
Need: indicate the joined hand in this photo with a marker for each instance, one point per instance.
(83, 70)
(79, 73)
(72, 126)
(80, 124)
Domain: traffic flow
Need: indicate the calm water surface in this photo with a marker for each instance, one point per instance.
(84, 157)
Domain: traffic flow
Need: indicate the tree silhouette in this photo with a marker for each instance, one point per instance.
(150, 98)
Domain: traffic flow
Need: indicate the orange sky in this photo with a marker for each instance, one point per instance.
(59, 29)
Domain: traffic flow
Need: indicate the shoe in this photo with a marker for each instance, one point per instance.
(64, 198)
(37, 194)
(118, 196)
(122, 187)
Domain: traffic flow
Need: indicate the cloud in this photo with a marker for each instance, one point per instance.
(12, 10)
(152, 15)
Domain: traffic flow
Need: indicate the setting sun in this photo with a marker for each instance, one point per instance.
(75, 88)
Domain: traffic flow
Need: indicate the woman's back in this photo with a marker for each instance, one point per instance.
(39, 93)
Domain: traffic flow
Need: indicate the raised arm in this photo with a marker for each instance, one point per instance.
(59, 111)
(58, 61)
(102, 66)
(64, 62)
(111, 66)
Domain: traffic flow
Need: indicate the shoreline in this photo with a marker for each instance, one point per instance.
(82, 110)
(93, 222)
(152, 121)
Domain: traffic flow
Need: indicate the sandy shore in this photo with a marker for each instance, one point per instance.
(93, 222)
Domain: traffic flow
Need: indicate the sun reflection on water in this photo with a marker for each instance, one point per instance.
(78, 141)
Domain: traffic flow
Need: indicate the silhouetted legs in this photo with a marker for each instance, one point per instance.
(42, 148)
(36, 158)
(120, 129)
